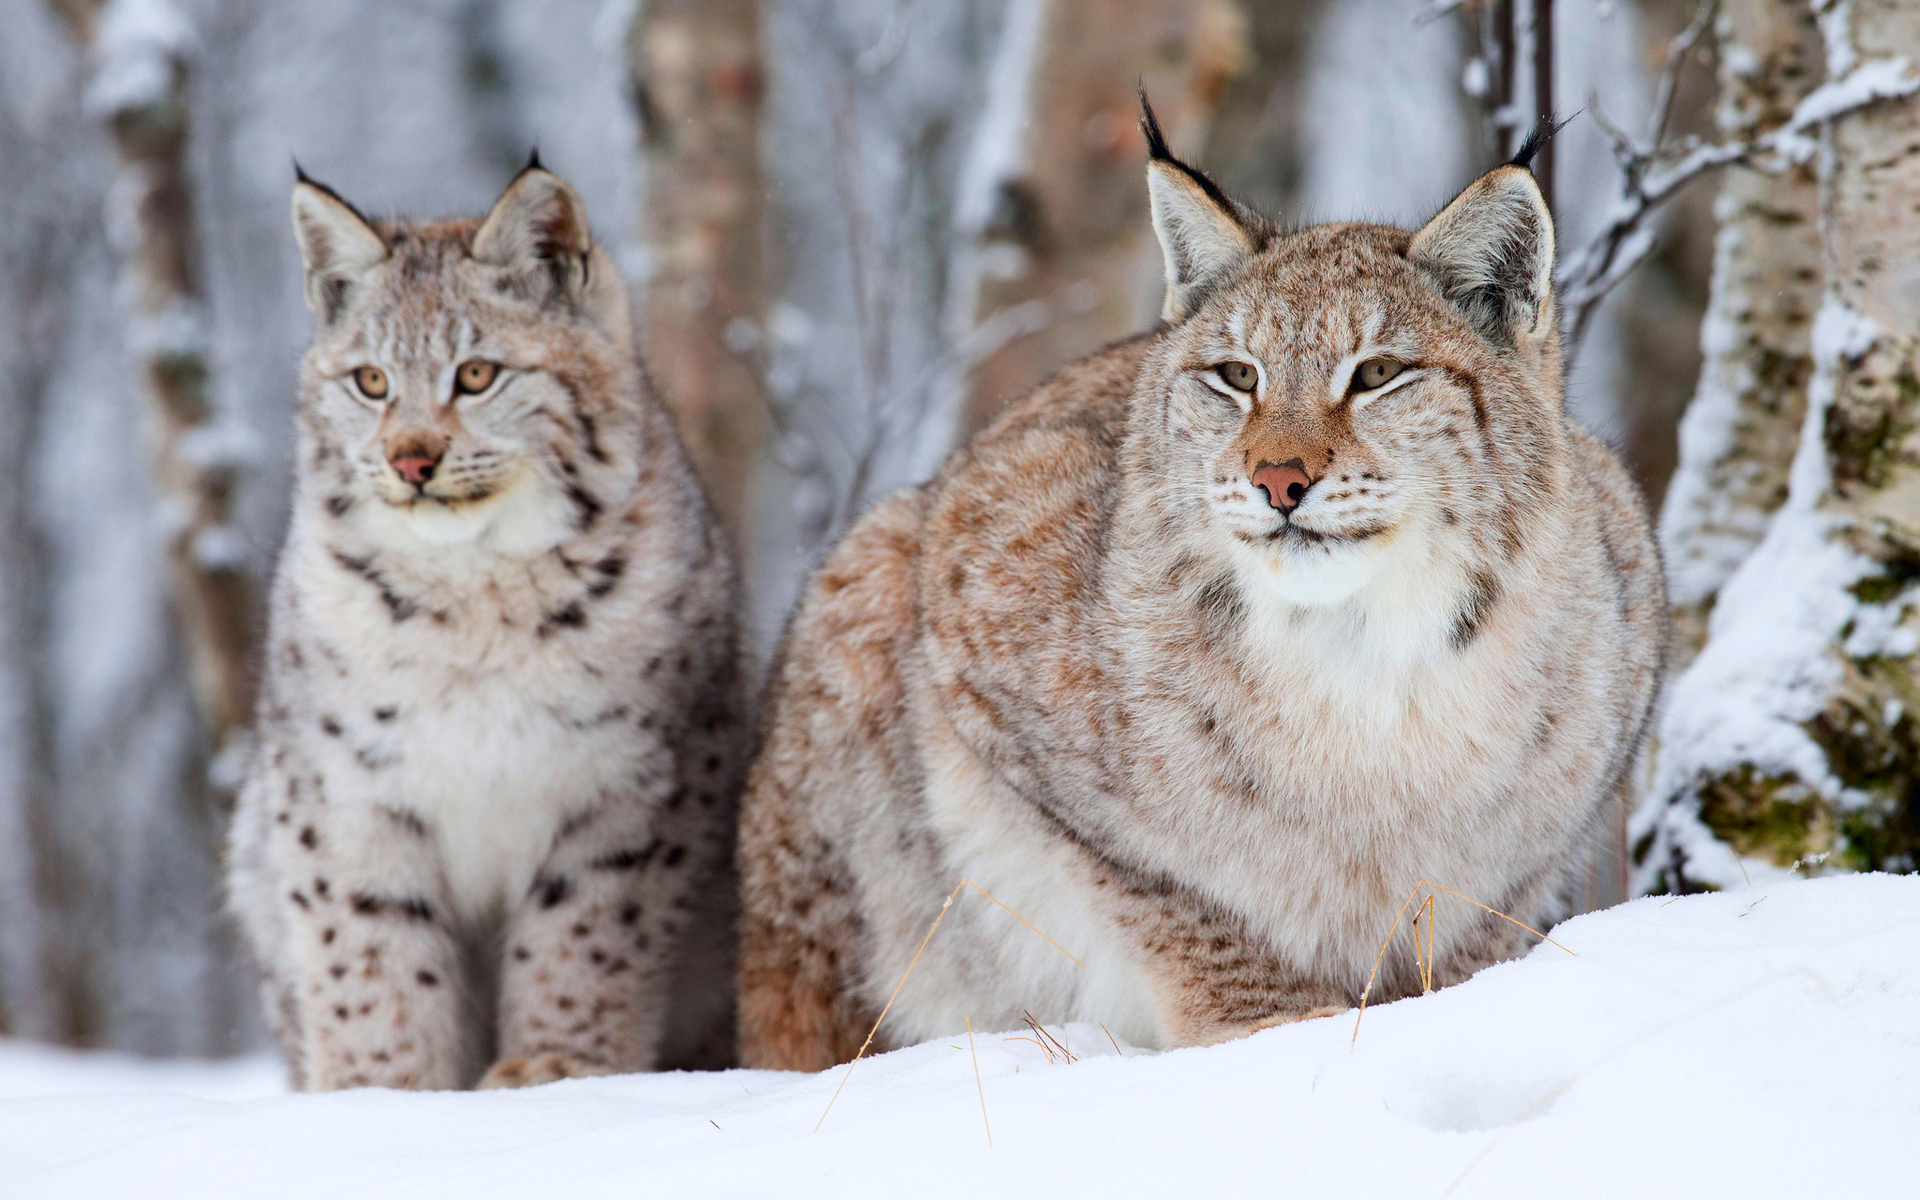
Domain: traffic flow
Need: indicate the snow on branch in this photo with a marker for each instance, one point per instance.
(1654, 170)
(138, 46)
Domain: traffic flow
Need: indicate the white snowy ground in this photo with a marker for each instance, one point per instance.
(1757, 1043)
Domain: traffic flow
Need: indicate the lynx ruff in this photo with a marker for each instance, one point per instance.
(502, 725)
(1204, 653)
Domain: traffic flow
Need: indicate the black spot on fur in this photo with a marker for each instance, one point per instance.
(591, 432)
(674, 856)
(1219, 602)
(627, 860)
(399, 606)
(1482, 592)
(587, 509)
(385, 713)
(405, 819)
(299, 898)
(339, 505)
(629, 914)
(330, 726)
(309, 838)
(573, 616)
(411, 907)
(610, 569)
(552, 890)
(427, 978)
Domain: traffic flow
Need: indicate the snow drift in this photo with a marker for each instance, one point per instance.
(1752, 1043)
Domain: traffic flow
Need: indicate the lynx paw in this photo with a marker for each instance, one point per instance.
(528, 1070)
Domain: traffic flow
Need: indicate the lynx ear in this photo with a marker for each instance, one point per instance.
(538, 232)
(337, 246)
(1491, 253)
(1204, 236)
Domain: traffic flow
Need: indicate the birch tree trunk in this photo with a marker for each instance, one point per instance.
(1737, 438)
(699, 78)
(1063, 258)
(1793, 740)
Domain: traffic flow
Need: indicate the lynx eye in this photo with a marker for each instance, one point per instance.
(1375, 372)
(371, 381)
(474, 376)
(1241, 377)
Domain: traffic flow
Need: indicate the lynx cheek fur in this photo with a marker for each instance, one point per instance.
(501, 729)
(1201, 655)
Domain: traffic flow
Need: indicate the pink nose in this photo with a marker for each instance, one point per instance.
(1285, 485)
(415, 468)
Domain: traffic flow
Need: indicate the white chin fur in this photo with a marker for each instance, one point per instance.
(519, 519)
(1319, 577)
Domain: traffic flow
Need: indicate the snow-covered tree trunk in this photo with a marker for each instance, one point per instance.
(1737, 439)
(1793, 740)
(698, 75)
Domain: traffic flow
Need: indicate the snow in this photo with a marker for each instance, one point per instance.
(136, 46)
(1754, 1043)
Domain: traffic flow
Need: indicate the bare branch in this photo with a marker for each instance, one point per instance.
(1653, 174)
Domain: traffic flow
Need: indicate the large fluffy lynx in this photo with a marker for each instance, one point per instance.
(1202, 654)
(501, 728)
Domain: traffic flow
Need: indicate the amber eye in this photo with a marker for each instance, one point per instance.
(474, 376)
(1241, 377)
(1375, 372)
(371, 381)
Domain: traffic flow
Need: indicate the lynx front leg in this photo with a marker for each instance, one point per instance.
(1214, 980)
(583, 988)
(377, 984)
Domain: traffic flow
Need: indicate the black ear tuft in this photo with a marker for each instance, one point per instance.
(1150, 125)
(533, 161)
(1157, 151)
(300, 176)
(1524, 156)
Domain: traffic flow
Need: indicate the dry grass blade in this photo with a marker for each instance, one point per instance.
(1374, 975)
(1044, 1048)
(1029, 924)
(1041, 1031)
(914, 962)
(1110, 1038)
(890, 999)
(978, 1085)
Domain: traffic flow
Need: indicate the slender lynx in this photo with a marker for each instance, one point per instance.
(1201, 655)
(502, 728)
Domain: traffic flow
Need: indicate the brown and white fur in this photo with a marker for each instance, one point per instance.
(1204, 733)
(502, 729)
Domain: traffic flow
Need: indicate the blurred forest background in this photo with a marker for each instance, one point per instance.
(856, 228)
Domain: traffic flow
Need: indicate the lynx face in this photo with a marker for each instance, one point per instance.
(442, 390)
(1338, 409)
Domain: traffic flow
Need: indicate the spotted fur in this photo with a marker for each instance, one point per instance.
(488, 827)
(1206, 745)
